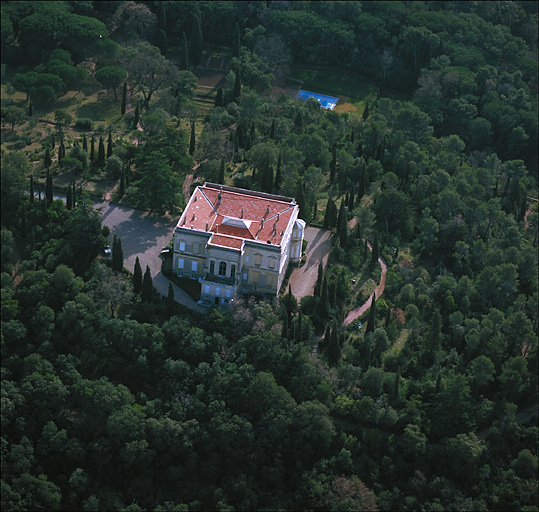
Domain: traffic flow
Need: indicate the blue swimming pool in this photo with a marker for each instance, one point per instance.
(328, 102)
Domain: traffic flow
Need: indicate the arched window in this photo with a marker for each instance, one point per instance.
(212, 267)
(233, 271)
(222, 268)
(258, 260)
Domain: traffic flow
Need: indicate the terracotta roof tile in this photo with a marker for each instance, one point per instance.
(237, 213)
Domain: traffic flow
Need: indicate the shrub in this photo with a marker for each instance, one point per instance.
(84, 124)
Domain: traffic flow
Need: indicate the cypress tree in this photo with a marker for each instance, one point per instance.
(47, 160)
(239, 135)
(237, 87)
(332, 295)
(284, 330)
(92, 149)
(53, 142)
(221, 179)
(299, 327)
(315, 209)
(73, 197)
(372, 315)
(147, 286)
(298, 122)
(278, 176)
(397, 382)
(192, 142)
(324, 294)
(127, 174)
(300, 198)
(375, 250)
(341, 215)
(343, 230)
(272, 129)
(361, 189)
(162, 16)
(30, 109)
(170, 299)
(61, 153)
(24, 222)
(196, 42)
(236, 41)
(137, 277)
(184, 53)
(101, 152)
(365, 112)
(124, 98)
(84, 143)
(236, 146)
(438, 386)
(319, 279)
(48, 189)
(333, 348)
(333, 167)
(69, 198)
(109, 145)
(219, 97)
(351, 201)
(358, 231)
(324, 342)
(117, 254)
(31, 189)
(122, 182)
(137, 117)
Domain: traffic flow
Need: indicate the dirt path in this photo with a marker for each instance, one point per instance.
(356, 313)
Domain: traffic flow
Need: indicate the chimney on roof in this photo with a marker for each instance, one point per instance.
(261, 223)
(195, 199)
(219, 196)
(241, 216)
(194, 217)
(267, 210)
(275, 227)
(207, 226)
(278, 215)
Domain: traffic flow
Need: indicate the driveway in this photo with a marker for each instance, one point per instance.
(144, 235)
(304, 278)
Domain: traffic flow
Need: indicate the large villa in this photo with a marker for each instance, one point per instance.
(236, 241)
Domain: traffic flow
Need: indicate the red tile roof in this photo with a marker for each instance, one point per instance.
(237, 213)
(226, 241)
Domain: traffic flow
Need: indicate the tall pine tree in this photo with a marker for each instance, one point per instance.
(278, 176)
(184, 54)
(47, 160)
(31, 189)
(221, 179)
(92, 149)
(137, 277)
(375, 250)
(48, 189)
(219, 97)
(109, 145)
(236, 42)
(117, 254)
(124, 98)
(196, 42)
(101, 152)
(147, 286)
(372, 315)
(170, 300)
(192, 142)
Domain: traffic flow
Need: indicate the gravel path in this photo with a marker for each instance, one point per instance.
(303, 279)
(356, 313)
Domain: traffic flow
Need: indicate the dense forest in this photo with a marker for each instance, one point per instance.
(115, 398)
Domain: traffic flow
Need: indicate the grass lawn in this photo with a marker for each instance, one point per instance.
(352, 91)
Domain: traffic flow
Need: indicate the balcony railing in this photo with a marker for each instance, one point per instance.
(212, 278)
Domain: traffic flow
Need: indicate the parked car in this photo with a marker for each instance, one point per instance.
(166, 250)
(107, 250)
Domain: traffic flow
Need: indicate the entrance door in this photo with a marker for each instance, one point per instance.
(216, 300)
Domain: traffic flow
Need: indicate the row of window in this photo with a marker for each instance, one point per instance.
(181, 263)
(222, 269)
(228, 293)
(192, 248)
(258, 260)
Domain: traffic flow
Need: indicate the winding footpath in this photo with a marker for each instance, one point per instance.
(356, 313)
